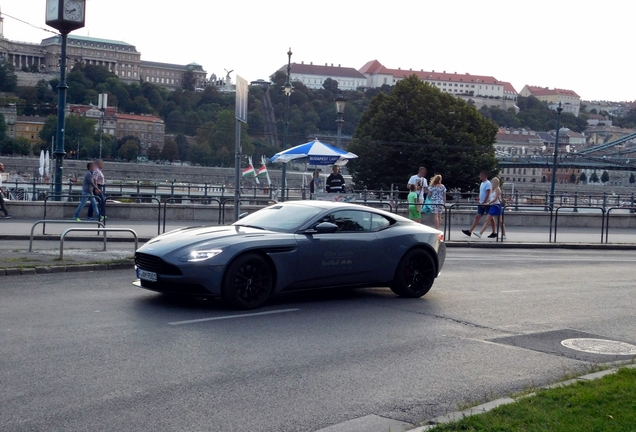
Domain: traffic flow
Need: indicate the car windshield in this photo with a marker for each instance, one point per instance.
(286, 218)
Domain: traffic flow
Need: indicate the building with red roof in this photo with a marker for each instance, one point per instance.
(313, 75)
(454, 83)
(149, 129)
(570, 101)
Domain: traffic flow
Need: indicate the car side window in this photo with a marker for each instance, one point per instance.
(379, 222)
(351, 220)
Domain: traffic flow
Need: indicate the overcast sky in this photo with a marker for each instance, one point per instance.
(582, 46)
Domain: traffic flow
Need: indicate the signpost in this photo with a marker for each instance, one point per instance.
(241, 116)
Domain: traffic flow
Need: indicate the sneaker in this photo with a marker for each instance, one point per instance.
(476, 234)
(503, 237)
(7, 216)
(466, 232)
(493, 235)
(77, 219)
(102, 219)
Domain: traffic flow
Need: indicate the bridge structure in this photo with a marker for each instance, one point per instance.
(594, 158)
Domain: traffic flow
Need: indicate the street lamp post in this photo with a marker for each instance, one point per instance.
(65, 16)
(288, 91)
(341, 101)
(555, 162)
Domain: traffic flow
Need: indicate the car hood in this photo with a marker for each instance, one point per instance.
(191, 236)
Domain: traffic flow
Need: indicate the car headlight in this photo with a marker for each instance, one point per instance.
(201, 255)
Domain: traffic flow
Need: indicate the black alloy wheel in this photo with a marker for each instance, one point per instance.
(249, 281)
(415, 274)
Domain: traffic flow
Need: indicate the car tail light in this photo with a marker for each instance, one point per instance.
(440, 236)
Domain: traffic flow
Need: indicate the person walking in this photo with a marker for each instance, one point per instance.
(494, 211)
(3, 192)
(437, 196)
(484, 195)
(100, 183)
(413, 199)
(335, 181)
(419, 179)
(88, 189)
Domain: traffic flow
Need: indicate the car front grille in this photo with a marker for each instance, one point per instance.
(155, 264)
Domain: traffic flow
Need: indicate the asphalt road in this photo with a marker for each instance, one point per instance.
(88, 351)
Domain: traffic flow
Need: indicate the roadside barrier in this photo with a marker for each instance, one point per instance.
(556, 220)
(206, 200)
(46, 199)
(105, 230)
(421, 205)
(55, 221)
(631, 209)
(153, 199)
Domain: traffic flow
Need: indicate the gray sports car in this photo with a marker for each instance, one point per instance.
(293, 246)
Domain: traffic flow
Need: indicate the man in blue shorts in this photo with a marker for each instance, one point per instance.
(484, 195)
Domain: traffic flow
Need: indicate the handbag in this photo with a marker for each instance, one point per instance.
(427, 208)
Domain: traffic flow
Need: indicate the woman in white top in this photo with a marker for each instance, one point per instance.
(495, 210)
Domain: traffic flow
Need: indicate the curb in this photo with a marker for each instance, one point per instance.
(506, 245)
(483, 408)
(64, 269)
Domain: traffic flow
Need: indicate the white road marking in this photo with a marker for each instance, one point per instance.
(539, 289)
(504, 258)
(232, 316)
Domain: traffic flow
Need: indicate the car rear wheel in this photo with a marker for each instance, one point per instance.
(248, 282)
(415, 274)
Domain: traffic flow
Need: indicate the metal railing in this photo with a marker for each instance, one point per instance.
(556, 219)
(607, 222)
(46, 199)
(105, 230)
(172, 200)
(54, 221)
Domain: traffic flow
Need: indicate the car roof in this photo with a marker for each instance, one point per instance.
(333, 205)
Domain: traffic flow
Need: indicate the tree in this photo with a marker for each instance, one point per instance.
(605, 177)
(632, 178)
(189, 80)
(583, 178)
(170, 151)
(3, 128)
(154, 152)
(572, 178)
(183, 145)
(416, 124)
(129, 150)
(594, 177)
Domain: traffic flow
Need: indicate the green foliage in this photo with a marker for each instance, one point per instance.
(170, 151)
(583, 177)
(594, 177)
(3, 128)
(154, 152)
(627, 121)
(78, 130)
(632, 178)
(19, 146)
(416, 124)
(8, 77)
(533, 114)
(189, 80)
(572, 178)
(129, 150)
(605, 177)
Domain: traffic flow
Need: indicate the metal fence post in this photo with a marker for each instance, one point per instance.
(604, 199)
(631, 209)
(576, 201)
(34, 192)
(172, 188)
(365, 194)
(517, 201)
(70, 190)
(546, 202)
(205, 189)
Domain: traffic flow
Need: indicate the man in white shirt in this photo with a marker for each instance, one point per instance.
(419, 179)
(484, 195)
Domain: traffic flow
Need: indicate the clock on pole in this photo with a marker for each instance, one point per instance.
(65, 16)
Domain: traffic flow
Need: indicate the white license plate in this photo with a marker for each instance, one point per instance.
(146, 275)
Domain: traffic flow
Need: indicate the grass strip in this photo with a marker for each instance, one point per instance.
(606, 404)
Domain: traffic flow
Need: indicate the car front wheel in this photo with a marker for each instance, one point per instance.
(248, 282)
(415, 274)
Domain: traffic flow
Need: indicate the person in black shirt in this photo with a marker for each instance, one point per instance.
(335, 181)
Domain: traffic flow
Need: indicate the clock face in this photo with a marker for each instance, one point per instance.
(52, 12)
(73, 10)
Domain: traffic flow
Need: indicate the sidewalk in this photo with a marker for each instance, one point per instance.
(14, 232)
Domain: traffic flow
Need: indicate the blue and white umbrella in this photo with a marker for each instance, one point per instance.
(316, 152)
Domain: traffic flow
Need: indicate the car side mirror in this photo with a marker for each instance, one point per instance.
(326, 228)
(242, 215)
